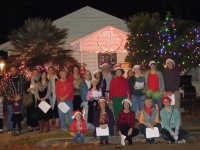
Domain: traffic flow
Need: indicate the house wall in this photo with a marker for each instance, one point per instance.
(90, 59)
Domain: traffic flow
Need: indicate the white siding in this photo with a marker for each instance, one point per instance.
(89, 58)
(121, 56)
(77, 56)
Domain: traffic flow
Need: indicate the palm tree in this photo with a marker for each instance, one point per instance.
(39, 42)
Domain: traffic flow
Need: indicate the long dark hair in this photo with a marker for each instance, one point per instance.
(76, 66)
(40, 79)
(97, 87)
(101, 79)
(106, 107)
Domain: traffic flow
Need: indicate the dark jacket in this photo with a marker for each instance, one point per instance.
(110, 123)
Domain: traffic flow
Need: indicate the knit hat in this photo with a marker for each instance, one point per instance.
(166, 98)
(104, 64)
(96, 71)
(75, 112)
(94, 79)
(152, 62)
(102, 99)
(136, 66)
(127, 100)
(170, 60)
(117, 66)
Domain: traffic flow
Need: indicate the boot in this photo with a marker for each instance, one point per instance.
(13, 132)
(18, 132)
(40, 126)
(47, 126)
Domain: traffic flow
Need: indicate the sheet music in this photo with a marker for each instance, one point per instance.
(102, 132)
(172, 97)
(96, 94)
(152, 133)
(44, 106)
(63, 107)
(139, 85)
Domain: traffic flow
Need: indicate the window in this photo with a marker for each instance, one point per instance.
(110, 58)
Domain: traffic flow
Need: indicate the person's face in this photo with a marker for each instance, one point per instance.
(148, 103)
(78, 116)
(75, 70)
(130, 73)
(50, 71)
(105, 68)
(137, 71)
(13, 71)
(169, 65)
(87, 75)
(63, 75)
(118, 73)
(44, 75)
(166, 103)
(94, 83)
(153, 67)
(17, 97)
(126, 105)
(102, 104)
(97, 75)
(35, 73)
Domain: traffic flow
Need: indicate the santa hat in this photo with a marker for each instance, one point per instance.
(96, 71)
(104, 64)
(170, 60)
(102, 99)
(75, 112)
(117, 66)
(166, 98)
(127, 100)
(94, 79)
(152, 62)
(136, 66)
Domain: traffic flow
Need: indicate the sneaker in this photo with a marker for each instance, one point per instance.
(169, 142)
(63, 130)
(184, 141)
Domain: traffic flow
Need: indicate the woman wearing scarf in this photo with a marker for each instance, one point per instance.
(32, 115)
(149, 118)
(53, 78)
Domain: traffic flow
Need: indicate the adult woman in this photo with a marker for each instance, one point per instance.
(101, 82)
(149, 118)
(53, 78)
(64, 93)
(76, 78)
(85, 86)
(130, 73)
(103, 118)
(92, 101)
(43, 93)
(172, 79)
(171, 122)
(126, 122)
(119, 89)
(137, 92)
(155, 84)
(32, 114)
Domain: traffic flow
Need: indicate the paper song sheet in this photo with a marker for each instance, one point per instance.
(172, 97)
(44, 106)
(152, 133)
(139, 85)
(123, 139)
(63, 107)
(96, 94)
(102, 132)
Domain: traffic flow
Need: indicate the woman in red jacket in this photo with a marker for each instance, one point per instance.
(64, 94)
(119, 89)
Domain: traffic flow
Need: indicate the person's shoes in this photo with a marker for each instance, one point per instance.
(1, 131)
(18, 132)
(47, 127)
(101, 143)
(107, 143)
(9, 130)
(130, 142)
(148, 141)
(30, 129)
(152, 141)
(169, 142)
(184, 141)
(13, 132)
(63, 130)
(37, 128)
(40, 126)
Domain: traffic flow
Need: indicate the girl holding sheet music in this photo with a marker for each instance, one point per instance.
(93, 96)
(43, 93)
(103, 118)
(149, 118)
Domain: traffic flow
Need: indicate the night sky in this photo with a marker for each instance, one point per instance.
(14, 12)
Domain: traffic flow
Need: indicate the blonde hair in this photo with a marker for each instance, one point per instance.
(87, 71)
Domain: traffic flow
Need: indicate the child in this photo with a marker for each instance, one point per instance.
(93, 101)
(16, 116)
(1, 114)
(78, 126)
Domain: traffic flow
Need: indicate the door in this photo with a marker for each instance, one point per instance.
(110, 58)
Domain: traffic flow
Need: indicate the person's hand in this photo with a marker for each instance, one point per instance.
(135, 87)
(103, 126)
(42, 99)
(169, 93)
(142, 86)
(111, 103)
(62, 99)
(8, 98)
(130, 131)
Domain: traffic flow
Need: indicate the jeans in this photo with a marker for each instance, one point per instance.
(62, 115)
(137, 101)
(85, 107)
(78, 135)
(104, 138)
(143, 127)
(158, 102)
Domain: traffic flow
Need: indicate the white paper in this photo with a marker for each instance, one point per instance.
(123, 139)
(152, 133)
(102, 132)
(172, 97)
(32, 86)
(96, 94)
(63, 107)
(44, 106)
(139, 85)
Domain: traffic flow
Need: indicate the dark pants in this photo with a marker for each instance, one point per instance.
(124, 130)
(103, 138)
(16, 123)
(142, 128)
(41, 115)
(1, 123)
(167, 136)
(32, 114)
(77, 103)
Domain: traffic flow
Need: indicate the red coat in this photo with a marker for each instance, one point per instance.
(73, 127)
(119, 88)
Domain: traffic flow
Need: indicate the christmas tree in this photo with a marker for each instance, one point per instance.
(152, 38)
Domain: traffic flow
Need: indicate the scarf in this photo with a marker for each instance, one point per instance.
(148, 110)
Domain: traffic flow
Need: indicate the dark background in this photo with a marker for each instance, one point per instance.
(14, 12)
